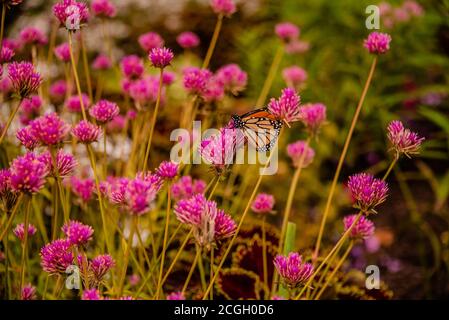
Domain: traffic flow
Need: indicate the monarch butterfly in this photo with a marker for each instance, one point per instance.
(260, 127)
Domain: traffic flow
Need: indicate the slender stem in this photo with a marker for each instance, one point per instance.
(342, 158)
(51, 45)
(11, 217)
(126, 255)
(2, 26)
(201, 268)
(164, 245)
(211, 271)
(264, 255)
(270, 77)
(86, 66)
(153, 121)
(55, 216)
(10, 119)
(217, 181)
(213, 42)
(25, 245)
(192, 268)
(390, 168)
(105, 155)
(75, 75)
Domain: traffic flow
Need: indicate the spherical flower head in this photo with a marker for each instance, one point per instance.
(132, 66)
(117, 124)
(214, 90)
(58, 90)
(293, 271)
(224, 226)
(178, 295)
(150, 40)
(27, 138)
(32, 36)
(403, 140)
(19, 231)
(168, 78)
(62, 52)
(5, 182)
(313, 116)
(300, 153)
(286, 31)
(50, 129)
(104, 111)
(6, 55)
(224, 7)
(30, 108)
(186, 187)
(56, 256)
(287, 106)
(189, 211)
(366, 191)
(102, 62)
(139, 196)
(83, 188)
(413, 8)
(263, 203)
(28, 292)
(188, 40)
(91, 294)
(28, 173)
(294, 76)
(377, 43)
(161, 57)
(65, 163)
(86, 132)
(77, 233)
(297, 47)
(71, 13)
(24, 79)
(195, 79)
(103, 8)
(363, 228)
(99, 266)
(232, 78)
(73, 103)
(167, 170)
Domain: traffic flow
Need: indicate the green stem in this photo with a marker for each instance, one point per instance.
(75, 75)
(264, 256)
(9, 121)
(126, 255)
(192, 268)
(164, 245)
(213, 42)
(390, 168)
(11, 217)
(2, 26)
(270, 77)
(25, 245)
(86, 66)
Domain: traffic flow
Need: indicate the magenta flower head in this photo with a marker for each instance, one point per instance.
(83, 188)
(32, 36)
(168, 78)
(99, 266)
(287, 106)
(19, 231)
(403, 140)
(366, 191)
(117, 124)
(56, 256)
(313, 116)
(178, 295)
(188, 40)
(263, 203)
(377, 43)
(24, 79)
(5, 182)
(300, 153)
(86, 132)
(102, 62)
(293, 271)
(363, 229)
(232, 78)
(103, 8)
(58, 90)
(214, 90)
(167, 170)
(65, 163)
(91, 294)
(50, 129)
(27, 138)
(195, 79)
(28, 292)
(186, 187)
(28, 173)
(73, 103)
(6, 55)
(71, 13)
(77, 233)
(62, 52)
(294, 76)
(161, 57)
(150, 40)
(30, 108)
(132, 66)
(224, 7)
(104, 111)
(286, 31)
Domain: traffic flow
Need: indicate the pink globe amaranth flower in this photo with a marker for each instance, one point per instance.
(413, 8)
(117, 124)
(298, 151)
(131, 114)
(195, 79)
(287, 106)
(99, 266)
(188, 40)
(294, 76)
(5, 85)
(167, 170)
(28, 173)
(134, 279)
(377, 43)
(146, 90)
(313, 116)
(83, 188)
(28, 292)
(62, 52)
(102, 62)
(178, 295)
(27, 138)
(91, 294)
(168, 78)
(30, 109)
(24, 79)
(214, 91)
(160, 57)
(65, 163)
(186, 187)
(56, 256)
(86, 132)
(150, 40)
(132, 66)
(104, 111)
(263, 203)
(77, 233)
(366, 191)
(5, 182)
(71, 14)
(58, 90)
(50, 129)
(363, 229)
(297, 46)
(19, 231)
(403, 140)
(232, 78)
(293, 271)
(286, 31)
(6, 54)
(224, 7)
(32, 36)
(73, 103)
(103, 8)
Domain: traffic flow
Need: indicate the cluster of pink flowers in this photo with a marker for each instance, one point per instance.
(263, 203)
(83, 188)
(73, 103)
(62, 166)
(63, 11)
(32, 36)
(132, 66)
(232, 78)
(19, 231)
(30, 109)
(224, 7)
(86, 132)
(362, 229)
(57, 256)
(287, 106)
(104, 111)
(403, 140)
(99, 267)
(390, 16)
(24, 79)
(366, 191)
(28, 173)
(150, 40)
(293, 271)
(186, 187)
(289, 34)
(167, 170)
(49, 129)
(188, 40)
(377, 43)
(103, 8)
(300, 153)
(77, 234)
